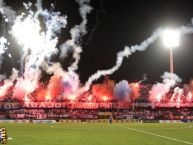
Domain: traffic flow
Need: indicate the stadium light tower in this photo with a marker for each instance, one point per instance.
(171, 40)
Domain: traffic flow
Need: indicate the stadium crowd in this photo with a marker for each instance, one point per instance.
(122, 114)
(140, 113)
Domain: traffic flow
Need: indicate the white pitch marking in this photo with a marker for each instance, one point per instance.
(181, 127)
(187, 127)
(9, 138)
(157, 135)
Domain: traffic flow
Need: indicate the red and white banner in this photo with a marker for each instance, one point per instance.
(71, 105)
(88, 105)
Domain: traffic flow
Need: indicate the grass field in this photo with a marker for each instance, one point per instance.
(100, 134)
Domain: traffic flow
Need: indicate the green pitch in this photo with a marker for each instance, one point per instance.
(100, 134)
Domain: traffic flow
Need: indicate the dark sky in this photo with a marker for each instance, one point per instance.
(130, 22)
(116, 23)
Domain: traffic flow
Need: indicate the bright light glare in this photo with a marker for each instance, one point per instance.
(48, 97)
(72, 97)
(105, 98)
(27, 32)
(158, 97)
(171, 38)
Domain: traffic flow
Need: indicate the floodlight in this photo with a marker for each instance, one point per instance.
(171, 38)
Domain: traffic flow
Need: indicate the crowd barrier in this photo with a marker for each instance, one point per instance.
(95, 121)
(98, 121)
(83, 121)
(150, 121)
(187, 121)
(170, 121)
(27, 121)
(68, 121)
(43, 121)
(14, 121)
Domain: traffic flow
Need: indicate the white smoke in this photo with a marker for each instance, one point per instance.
(40, 44)
(26, 84)
(77, 32)
(69, 79)
(3, 47)
(187, 29)
(160, 90)
(170, 79)
(120, 56)
(7, 12)
(55, 68)
(37, 45)
(8, 83)
(178, 92)
(129, 51)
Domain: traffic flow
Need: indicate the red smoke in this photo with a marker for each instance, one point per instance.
(104, 91)
(41, 95)
(54, 88)
(135, 90)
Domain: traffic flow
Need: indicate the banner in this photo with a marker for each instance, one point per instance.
(162, 105)
(87, 105)
(69, 105)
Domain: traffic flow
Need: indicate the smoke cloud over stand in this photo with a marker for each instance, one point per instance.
(37, 33)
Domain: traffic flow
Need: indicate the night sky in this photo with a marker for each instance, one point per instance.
(116, 23)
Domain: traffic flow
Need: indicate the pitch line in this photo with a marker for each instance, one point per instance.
(184, 127)
(187, 127)
(157, 135)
